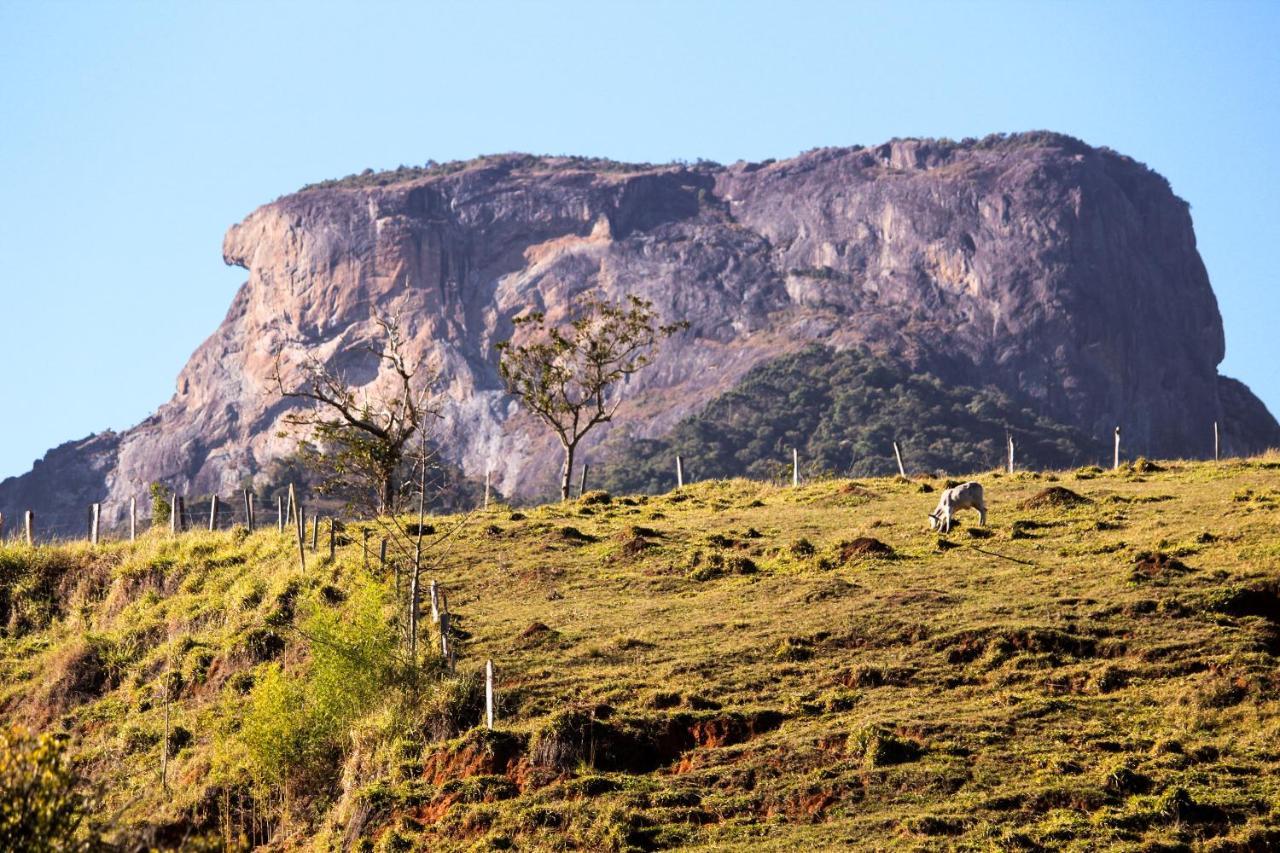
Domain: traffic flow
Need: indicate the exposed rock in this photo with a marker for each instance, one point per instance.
(1033, 262)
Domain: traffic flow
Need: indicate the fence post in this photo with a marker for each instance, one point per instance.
(95, 512)
(213, 513)
(795, 467)
(382, 554)
(444, 636)
(315, 531)
(488, 475)
(293, 505)
(29, 527)
(333, 539)
(133, 519)
(582, 484)
(435, 602)
(173, 512)
(302, 551)
(679, 472)
(365, 544)
(1115, 463)
(1009, 438)
(488, 694)
(248, 510)
(897, 454)
(1217, 445)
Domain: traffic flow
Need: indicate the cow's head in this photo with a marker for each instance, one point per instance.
(935, 520)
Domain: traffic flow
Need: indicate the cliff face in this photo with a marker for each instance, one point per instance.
(1032, 262)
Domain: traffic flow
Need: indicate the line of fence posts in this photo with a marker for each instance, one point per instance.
(291, 511)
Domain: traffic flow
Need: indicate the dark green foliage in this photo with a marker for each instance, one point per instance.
(843, 410)
(161, 496)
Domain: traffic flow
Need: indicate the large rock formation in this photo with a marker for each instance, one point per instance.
(1033, 262)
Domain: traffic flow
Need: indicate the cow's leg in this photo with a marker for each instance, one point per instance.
(982, 514)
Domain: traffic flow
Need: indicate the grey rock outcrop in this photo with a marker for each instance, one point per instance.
(1033, 262)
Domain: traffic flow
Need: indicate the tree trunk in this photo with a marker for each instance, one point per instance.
(566, 474)
(387, 496)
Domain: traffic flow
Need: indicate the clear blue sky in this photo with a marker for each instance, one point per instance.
(133, 134)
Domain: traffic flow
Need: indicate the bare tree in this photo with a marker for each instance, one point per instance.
(567, 375)
(356, 435)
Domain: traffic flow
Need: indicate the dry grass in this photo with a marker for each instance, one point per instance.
(717, 668)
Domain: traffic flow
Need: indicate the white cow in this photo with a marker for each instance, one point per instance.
(963, 496)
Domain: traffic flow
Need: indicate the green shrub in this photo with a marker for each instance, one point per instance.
(41, 805)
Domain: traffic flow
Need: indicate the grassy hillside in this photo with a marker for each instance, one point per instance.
(734, 665)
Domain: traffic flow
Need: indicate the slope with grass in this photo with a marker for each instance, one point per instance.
(729, 666)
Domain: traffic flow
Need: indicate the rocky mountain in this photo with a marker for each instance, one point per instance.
(1062, 274)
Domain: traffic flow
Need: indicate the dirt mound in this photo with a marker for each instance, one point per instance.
(1055, 497)
(864, 546)
(1154, 564)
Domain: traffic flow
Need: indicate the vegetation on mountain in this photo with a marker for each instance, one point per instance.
(843, 410)
(731, 665)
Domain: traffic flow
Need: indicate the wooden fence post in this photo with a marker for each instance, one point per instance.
(248, 510)
(365, 544)
(182, 514)
(29, 527)
(795, 467)
(302, 551)
(293, 505)
(1009, 439)
(333, 539)
(488, 694)
(95, 513)
(173, 512)
(1115, 463)
(582, 484)
(444, 636)
(897, 454)
(133, 519)
(488, 475)
(679, 472)
(315, 531)
(382, 554)
(213, 513)
(1217, 444)
(435, 602)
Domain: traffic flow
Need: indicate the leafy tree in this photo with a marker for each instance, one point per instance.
(41, 806)
(567, 375)
(354, 436)
(161, 503)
